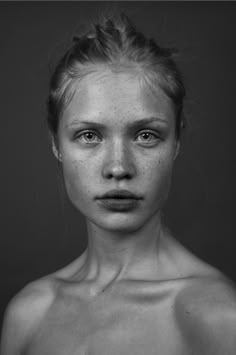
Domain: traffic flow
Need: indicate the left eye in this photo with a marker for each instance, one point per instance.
(146, 137)
(89, 137)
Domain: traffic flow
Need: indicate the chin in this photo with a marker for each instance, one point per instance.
(119, 223)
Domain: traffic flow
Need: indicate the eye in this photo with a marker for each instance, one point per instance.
(88, 137)
(147, 137)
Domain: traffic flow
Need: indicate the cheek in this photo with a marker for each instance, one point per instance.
(159, 173)
(76, 178)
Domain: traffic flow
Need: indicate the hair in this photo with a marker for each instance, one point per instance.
(114, 42)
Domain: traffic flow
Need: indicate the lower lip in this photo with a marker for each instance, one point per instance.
(118, 204)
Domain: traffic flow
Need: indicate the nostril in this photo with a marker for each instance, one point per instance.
(118, 171)
(119, 175)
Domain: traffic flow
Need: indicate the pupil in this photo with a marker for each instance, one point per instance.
(145, 135)
(89, 135)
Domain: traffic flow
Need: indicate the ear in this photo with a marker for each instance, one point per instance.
(55, 149)
(177, 148)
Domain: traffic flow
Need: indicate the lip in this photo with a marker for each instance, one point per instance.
(118, 204)
(120, 194)
(119, 200)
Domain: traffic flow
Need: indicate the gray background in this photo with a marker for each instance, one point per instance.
(40, 231)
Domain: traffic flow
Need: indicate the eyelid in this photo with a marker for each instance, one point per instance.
(154, 139)
(150, 131)
(83, 131)
(80, 133)
(156, 135)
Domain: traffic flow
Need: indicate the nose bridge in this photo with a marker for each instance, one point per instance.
(118, 162)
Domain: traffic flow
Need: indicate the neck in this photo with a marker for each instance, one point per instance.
(114, 256)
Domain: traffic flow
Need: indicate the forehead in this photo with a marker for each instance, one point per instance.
(118, 96)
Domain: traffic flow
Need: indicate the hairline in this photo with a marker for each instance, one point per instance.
(69, 89)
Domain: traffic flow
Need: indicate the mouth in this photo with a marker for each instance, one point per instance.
(120, 194)
(119, 200)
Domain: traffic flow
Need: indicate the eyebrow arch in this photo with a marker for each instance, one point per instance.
(133, 124)
(143, 121)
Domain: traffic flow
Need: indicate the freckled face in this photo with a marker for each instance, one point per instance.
(114, 134)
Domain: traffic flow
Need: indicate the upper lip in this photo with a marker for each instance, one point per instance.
(120, 194)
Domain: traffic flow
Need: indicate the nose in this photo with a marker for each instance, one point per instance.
(118, 163)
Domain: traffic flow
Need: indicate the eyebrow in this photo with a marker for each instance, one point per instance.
(133, 124)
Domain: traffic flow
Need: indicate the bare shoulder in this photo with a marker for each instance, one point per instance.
(28, 308)
(24, 313)
(206, 313)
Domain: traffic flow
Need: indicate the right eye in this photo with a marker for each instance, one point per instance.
(88, 137)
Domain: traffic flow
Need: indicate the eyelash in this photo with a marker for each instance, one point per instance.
(155, 137)
(82, 134)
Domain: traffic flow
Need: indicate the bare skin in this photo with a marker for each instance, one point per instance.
(68, 313)
(135, 290)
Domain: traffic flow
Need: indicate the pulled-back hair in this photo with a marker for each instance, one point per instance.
(116, 43)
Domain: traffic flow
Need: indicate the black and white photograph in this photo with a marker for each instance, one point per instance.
(118, 171)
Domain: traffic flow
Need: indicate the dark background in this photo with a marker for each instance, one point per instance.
(40, 231)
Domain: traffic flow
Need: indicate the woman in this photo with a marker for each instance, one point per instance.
(115, 117)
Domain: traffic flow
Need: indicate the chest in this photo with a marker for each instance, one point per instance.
(105, 327)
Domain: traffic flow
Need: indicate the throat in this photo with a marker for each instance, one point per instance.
(109, 259)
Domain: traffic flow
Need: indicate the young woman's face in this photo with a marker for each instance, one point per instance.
(118, 144)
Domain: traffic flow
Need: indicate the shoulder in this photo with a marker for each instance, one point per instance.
(206, 313)
(24, 313)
